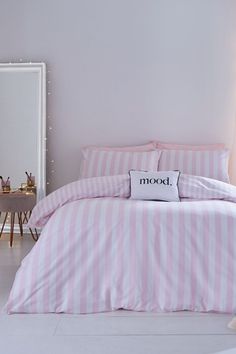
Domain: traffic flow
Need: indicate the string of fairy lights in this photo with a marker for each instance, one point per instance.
(49, 161)
(50, 170)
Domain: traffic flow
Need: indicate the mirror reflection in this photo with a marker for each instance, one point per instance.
(22, 127)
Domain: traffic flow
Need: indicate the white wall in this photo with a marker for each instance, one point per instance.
(127, 71)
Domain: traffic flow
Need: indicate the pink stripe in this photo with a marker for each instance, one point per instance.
(157, 266)
(144, 278)
(211, 163)
(140, 161)
(103, 164)
(119, 259)
(72, 296)
(107, 256)
(194, 170)
(185, 164)
(34, 280)
(218, 260)
(205, 263)
(97, 258)
(47, 263)
(113, 162)
(202, 164)
(120, 165)
(133, 254)
(95, 160)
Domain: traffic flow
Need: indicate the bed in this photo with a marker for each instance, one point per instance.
(101, 251)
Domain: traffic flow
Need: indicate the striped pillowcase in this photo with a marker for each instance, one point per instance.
(212, 164)
(98, 163)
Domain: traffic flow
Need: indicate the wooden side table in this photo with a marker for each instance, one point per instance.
(20, 204)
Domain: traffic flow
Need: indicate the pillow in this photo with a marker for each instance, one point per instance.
(168, 146)
(155, 185)
(107, 163)
(211, 163)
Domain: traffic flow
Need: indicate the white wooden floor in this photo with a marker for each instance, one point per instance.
(108, 333)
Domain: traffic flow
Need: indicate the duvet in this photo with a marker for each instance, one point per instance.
(100, 251)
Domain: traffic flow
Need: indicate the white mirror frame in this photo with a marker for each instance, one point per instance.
(40, 68)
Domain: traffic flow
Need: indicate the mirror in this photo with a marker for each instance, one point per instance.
(23, 123)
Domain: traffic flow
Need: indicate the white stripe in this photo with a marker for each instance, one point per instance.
(211, 260)
(175, 252)
(163, 256)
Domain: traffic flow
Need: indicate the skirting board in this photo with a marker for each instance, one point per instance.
(7, 229)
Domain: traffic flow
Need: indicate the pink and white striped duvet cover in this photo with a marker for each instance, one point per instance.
(100, 251)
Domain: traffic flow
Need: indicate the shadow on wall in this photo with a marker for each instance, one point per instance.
(232, 165)
(232, 159)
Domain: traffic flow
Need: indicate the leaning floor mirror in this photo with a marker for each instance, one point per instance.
(23, 124)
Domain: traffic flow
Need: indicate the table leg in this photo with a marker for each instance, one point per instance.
(34, 236)
(24, 217)
(3, 225)
(12, 228)
(20, 223)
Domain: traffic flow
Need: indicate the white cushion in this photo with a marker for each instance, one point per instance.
(155, 185)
